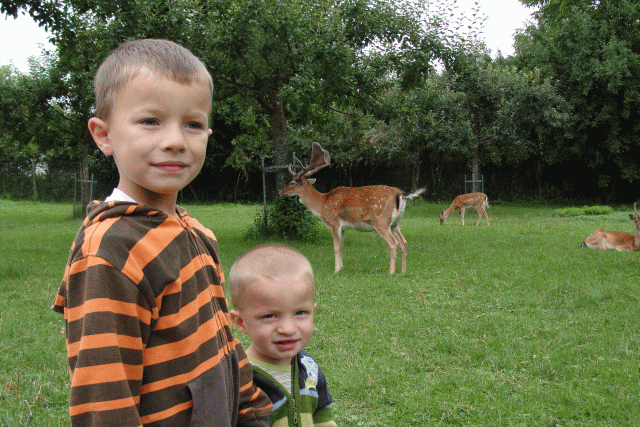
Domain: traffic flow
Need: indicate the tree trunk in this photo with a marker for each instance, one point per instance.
(84, 173)
(33, 178)
(280, 135)
(417, 164)
(539, 178)
(475, 167)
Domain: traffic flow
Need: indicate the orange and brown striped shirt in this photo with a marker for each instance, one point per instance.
(147, 327)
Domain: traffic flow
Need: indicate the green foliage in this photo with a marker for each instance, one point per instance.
(359, 77)
(585, 210)
(286, 218)
(590, 51)
(512, 113)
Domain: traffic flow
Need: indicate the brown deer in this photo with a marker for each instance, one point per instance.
(617, 240)
(478, 200)
(374, 207)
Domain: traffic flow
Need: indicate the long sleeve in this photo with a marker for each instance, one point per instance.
(107, 328)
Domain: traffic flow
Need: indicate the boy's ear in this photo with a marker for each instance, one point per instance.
(100, 133)
(237, 320)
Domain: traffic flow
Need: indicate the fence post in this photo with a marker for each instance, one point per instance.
(75, 185)
(264, 194)
(472, 181)
(266, 169)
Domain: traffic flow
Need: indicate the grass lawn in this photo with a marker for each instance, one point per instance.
(510, 325)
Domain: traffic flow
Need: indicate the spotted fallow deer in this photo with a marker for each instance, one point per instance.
(374, 207)
(617, 240)
(478, 200)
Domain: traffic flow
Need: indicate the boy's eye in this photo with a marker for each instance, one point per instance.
(195, 125)
(149, 122)
(269, 316)
(301, 313)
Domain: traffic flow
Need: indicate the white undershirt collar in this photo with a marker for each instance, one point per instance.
(119, 196)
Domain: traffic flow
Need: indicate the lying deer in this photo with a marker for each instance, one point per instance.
(374, 207)
(617, 240)
(478, 200)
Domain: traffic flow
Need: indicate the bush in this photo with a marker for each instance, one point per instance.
(597, 210)
(287, 219)
(585, 210)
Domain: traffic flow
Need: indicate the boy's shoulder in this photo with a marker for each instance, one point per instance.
(112, 229)
(305, 359)
(109, 211)
(121, 219)
(309, 370)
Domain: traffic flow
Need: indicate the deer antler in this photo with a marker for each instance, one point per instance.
(320, 158)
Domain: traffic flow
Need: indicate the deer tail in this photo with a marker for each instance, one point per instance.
(415, 193)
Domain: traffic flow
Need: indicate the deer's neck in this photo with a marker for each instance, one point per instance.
(312, 199)
(451, 209)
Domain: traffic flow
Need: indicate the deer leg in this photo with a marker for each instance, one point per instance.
(479, 210)
(462, 214)
(403, 247)
(388, 237)
(338, 239)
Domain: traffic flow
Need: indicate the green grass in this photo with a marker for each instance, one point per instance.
(510, 325)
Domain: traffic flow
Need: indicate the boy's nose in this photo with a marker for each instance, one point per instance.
(175, 139)
(286, 327)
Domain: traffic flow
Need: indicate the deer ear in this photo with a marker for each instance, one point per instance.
(311, 180)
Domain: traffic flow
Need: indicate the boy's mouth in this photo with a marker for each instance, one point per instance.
(286, 345)
(170, 167)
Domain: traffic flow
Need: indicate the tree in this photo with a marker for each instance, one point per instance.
(315, 51)
(30, 122)
(592, 51)
(511, 113)
(488, 112)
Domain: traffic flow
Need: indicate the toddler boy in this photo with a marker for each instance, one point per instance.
(273, 296)
(148, 333)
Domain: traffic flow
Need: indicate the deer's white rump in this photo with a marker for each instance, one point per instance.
(374, 207)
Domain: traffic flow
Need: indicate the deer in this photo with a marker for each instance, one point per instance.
(478, 200)
(368, 208)
(617, 240)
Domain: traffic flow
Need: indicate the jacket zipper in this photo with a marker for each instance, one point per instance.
(194, 240)
(293, 393)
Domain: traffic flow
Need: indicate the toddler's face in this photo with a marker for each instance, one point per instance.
(157, 132)
(278, 317)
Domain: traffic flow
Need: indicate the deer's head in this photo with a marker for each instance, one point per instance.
(320, 158)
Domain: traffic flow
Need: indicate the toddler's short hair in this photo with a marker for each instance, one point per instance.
(159, 56)
(266, 260)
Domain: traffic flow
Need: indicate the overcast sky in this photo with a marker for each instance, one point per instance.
(22, 38)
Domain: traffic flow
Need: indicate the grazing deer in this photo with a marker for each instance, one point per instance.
(478, 200)
(374, 207)
(617, 240)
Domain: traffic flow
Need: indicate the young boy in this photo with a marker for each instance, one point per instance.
(148, 333)
(273, 297)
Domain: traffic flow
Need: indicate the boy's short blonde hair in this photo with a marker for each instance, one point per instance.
(159, 56)
(263, 261)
